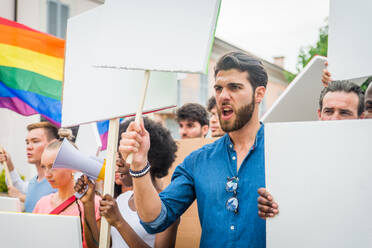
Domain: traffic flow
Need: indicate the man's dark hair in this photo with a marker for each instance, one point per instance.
(343, 86)
(257, 75)
(211, 103)
(193, 112)
(163, 148)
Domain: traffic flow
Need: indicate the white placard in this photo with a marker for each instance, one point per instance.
(94, 94)
(39, 230)
(320, 175)
(349, 40)
(300, 100)
(10, 204)
(88, 140)
(152, 35)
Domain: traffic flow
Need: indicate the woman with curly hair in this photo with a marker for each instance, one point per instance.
(121, 214)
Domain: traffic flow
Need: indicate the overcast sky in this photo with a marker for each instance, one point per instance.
(269, 28)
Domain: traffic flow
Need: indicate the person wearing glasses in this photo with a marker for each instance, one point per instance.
(223, 176)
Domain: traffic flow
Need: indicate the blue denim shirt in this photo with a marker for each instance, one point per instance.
(203, 175)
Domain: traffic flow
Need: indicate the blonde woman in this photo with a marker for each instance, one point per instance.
(64, 202)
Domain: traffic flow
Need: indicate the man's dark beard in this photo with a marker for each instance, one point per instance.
(243, 116)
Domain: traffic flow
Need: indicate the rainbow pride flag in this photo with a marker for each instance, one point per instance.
(31, 73)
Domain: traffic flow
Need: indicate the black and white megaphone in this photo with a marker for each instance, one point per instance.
(68, 157)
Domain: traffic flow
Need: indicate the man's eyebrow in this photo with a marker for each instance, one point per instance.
(328, 108)
(347, 110)
(32, 139)
(234, 83)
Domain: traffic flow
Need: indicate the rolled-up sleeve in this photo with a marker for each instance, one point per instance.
(176, 198)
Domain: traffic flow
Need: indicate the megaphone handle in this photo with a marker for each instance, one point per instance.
(79, 195)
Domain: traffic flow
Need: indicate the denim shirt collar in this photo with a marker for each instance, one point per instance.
(259, 135)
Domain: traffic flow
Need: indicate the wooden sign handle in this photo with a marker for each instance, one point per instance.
(104, 239)
(140, 107)
(108, 188)
(7, 174)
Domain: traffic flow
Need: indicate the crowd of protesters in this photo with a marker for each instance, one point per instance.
(142, 212)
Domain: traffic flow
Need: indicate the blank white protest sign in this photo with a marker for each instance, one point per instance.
(164, 35)
(95, 94)
(88, 140)
(300, 100)
(39, 230)
(320, 174)
(10, 204)
(349, 39)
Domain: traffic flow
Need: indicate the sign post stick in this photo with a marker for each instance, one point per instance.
(140, 107)
(7, 174)
(104, 239)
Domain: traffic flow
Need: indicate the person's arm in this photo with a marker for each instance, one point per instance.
(14, 192)
(18, 183)
(110, 210)
(156, 211)
(136, 140)
(167, 238)
(267, 207)
(5, 157)
(91, 225)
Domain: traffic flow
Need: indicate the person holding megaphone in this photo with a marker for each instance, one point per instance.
(121, 214)
(64, 201)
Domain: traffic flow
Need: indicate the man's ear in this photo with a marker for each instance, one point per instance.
(259, 94)
(362, 116)
(205, 130)
(319, 114)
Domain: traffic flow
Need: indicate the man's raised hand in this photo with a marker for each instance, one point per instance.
(135, 140)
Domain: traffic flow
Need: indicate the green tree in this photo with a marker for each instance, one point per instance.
(366, 83)
(3, 187)
(308, 52)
